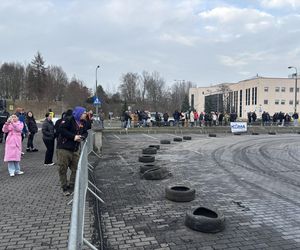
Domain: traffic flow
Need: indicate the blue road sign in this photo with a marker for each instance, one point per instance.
(97, 101)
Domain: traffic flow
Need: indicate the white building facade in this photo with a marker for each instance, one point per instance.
(257, 94)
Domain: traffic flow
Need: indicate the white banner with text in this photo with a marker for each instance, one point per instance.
(237, 127)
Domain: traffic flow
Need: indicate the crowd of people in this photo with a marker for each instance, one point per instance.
(179, 118)
(279, 119)
(194, 118)
(68, 132)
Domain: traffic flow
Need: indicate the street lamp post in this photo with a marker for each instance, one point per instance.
(296, 76)
(96, 90)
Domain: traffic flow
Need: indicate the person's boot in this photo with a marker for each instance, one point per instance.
(66, 191)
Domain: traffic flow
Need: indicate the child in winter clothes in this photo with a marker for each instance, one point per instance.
(13, 144)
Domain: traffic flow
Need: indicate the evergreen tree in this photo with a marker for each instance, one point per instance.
(185, 106)
(37, 78)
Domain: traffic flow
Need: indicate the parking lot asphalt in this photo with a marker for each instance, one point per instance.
(253, 179)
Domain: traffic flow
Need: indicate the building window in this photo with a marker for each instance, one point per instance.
(291, 90)
(241, 103)
(291, 102)
(282, 89)
(277, 89)
(276, 102)
(235, 101)
(266, 102)
(282, 102)
(255, 96)
(252, 96)
(266, 89)
(248, 96)
(192, 101)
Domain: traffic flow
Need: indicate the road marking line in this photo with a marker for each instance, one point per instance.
(196, 152)
(117, 137)
(122, 159)
(150, 136)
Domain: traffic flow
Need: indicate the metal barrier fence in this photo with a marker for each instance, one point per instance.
(76, 238)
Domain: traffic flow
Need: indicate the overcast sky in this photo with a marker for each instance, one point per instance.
(203, 41)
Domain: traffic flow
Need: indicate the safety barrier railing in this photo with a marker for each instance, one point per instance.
(76, 233)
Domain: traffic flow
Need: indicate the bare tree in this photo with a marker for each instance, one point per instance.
(225, 90)
(130, 87)
(179, 91)
(12, 80)
(76, 93)
(155, 88)
(57, 81)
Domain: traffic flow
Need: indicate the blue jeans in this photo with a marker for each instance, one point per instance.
(13, 167)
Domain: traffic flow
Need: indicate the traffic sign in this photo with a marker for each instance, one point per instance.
(97, 101)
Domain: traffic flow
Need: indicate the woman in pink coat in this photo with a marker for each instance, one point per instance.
(13, 144)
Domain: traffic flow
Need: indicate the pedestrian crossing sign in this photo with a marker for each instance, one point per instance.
(97, 101)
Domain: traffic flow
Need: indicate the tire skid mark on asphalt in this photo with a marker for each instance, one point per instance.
(216, 156)
(263, 150)
(293, 156)
(241, 156)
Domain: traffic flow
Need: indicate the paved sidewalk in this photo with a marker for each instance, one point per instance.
(33, 210)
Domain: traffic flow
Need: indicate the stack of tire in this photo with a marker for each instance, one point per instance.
(149, 170)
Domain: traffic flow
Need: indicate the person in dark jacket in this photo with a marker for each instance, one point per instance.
(20, 113)
(166, 118)
(3, 118)
(64, 115)
(32, 130)
(48, 138)
(72, 131)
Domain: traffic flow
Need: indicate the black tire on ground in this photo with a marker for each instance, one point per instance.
(298, 132)
(180, 193)
(147, 167)
(272, 133)
(255, 133)
(156, 174)
(146, 158)
(165, 142)
(237, 133)
(155, 146)
(212, 135)
(205, 220)
(149, 151)
(187, 138)
(177, 139)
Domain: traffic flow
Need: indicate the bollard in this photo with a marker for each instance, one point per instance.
(97, 141)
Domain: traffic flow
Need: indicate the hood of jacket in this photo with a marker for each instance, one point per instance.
(77, 112)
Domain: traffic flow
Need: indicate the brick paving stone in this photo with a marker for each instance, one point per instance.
(246, 178)
(34, 212)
